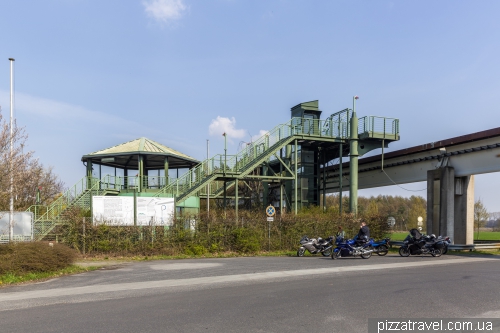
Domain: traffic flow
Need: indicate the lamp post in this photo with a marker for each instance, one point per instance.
(225, 163)
(353, 188)
(208, 171)
(11, 167)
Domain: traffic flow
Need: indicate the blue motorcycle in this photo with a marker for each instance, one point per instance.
(353, 248)
(381, 247)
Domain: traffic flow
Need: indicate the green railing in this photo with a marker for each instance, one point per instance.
(78, 195)
(69, 197)
(380, 127)
(37, 210)
(119, 183)
(255, 151)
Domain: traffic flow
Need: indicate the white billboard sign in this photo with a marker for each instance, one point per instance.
(119, 210)
(23, 225)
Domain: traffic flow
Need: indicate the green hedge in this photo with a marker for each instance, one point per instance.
(215, 233)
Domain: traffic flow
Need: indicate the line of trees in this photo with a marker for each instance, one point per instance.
(404, 210)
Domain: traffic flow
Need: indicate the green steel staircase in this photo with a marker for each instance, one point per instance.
(220, 167)
(46, 219)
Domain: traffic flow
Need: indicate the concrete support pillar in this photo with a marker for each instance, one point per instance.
(464, 210)
(433, 186)
(447, 202)
(450, 205)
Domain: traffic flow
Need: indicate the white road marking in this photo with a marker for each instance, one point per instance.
(183, 266)
(94, 289)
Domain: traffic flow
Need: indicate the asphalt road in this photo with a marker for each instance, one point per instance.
(259, 294)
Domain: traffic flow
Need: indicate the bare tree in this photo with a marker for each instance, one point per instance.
(481, 215)
(28, 174)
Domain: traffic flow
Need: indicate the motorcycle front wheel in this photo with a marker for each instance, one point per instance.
(444, 250)
(367, 255)
(436, 252)
(336, 255)
(301, 251)
(382, 250)
(327, 253)
(404, 251)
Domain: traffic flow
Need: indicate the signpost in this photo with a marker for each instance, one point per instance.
(270, 212)
(391, 221)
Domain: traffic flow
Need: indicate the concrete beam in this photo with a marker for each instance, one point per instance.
(467, 159)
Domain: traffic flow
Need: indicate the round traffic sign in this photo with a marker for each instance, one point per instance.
(270, 211)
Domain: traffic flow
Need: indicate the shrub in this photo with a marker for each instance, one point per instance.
(246, 240)
(19, 258)
(216, 232)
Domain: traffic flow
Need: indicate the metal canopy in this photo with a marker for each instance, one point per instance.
(125, 156)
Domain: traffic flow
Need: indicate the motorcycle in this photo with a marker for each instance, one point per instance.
(353, 248)
(314, 246)
(381, 247)
(416, 244)
(446, 241)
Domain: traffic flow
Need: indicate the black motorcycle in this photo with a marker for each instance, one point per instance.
(416, 244)
(313, 245)
(445, 239)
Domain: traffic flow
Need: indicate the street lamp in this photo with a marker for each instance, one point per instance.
(11, 166)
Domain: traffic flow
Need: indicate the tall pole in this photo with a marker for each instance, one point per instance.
(11, 166)
(353, 187)
(225, 163)
(340, 179)
(208, 171)
(225, 152)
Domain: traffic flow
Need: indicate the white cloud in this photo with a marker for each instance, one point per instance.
(226, 125)
(42, 110)
(258, 136)
(164, 11)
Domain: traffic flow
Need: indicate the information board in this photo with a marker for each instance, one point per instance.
(119, 210)
(23, 224)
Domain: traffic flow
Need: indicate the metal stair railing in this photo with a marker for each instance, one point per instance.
(373, 126)
(208, 170)
(79, 195)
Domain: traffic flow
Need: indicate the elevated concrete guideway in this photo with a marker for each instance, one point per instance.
(470, 154)
(448, 166)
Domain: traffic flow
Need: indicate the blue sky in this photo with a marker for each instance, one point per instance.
(93, 74)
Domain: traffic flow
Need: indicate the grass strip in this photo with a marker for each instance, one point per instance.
(12, 279)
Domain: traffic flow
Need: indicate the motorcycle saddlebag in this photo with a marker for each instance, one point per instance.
(439, 245)
(344, 252)
(414, 250)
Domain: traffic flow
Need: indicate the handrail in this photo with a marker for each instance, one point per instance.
(386, 127)
(336, 126)
(110, 182)
(68, 197)
(253, 151)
